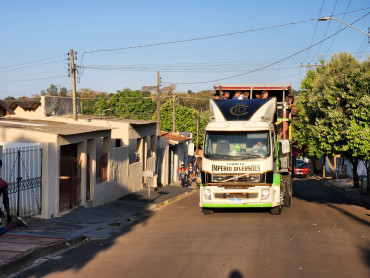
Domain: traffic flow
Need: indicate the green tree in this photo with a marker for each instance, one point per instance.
(132, 105)
(52, 90)
(186, 120)
(334, 112)
(63, 92)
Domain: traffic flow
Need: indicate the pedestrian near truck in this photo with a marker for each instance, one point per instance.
(183, 175)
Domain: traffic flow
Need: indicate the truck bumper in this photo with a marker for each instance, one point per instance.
(220, 197)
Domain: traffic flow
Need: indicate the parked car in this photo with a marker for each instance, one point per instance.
(301, 168)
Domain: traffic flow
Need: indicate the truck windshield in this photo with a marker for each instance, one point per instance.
(237, 145)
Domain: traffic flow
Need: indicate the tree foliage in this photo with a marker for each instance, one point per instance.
(334, 111)
(126, 104)
(185, 120)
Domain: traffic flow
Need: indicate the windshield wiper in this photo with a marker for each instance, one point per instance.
(250, 155)
(216, 155)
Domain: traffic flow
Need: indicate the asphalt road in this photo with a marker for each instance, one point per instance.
(322, 234)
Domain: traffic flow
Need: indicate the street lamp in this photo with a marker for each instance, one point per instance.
(328, 18)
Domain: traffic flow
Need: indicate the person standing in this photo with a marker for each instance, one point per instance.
(183, 175)
(191, 172)
(19, 222)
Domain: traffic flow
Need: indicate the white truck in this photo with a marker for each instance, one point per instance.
(246, 159)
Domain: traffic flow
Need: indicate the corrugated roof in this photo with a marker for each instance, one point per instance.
(6, 107)
(174, 137)
(129, 121)
(25, 104)
(52, 127)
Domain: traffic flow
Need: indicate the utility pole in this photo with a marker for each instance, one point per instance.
(174, 115)
(158, 106)
(197, 147)
(73, 72)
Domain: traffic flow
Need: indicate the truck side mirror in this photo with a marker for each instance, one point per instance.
(285, 146)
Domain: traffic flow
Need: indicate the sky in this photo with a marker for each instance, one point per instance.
(193, 44)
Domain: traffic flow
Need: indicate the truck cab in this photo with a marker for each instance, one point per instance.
(246, 162)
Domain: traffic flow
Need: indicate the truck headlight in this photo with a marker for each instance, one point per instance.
(207, 194)
(265, 194)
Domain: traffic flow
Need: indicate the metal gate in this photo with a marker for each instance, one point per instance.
(22, 171)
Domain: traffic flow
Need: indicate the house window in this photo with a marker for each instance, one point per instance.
(118, 143)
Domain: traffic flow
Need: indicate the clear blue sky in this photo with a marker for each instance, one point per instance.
(32, 31)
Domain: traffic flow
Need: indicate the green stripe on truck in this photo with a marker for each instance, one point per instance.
(276, 180)
(267, 205)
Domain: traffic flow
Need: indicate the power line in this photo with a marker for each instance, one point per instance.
(283, 59)
(24, 80)
(208, 37)
(32, 62)
(362, 48)
(338, 28)
(7, 70)
(314, 33)
(327, 28)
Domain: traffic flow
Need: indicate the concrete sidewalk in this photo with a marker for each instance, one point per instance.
(345, 186)
(21, 246)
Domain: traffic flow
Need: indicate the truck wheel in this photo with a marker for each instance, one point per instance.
(287, 200)
(288, 197)
(207, 211)
(276, 210)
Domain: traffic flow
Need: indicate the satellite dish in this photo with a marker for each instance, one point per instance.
(52, 110)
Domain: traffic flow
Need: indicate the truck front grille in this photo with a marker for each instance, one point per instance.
(235, 195)
(237, 178)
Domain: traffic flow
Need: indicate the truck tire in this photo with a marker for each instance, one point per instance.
(288, 196)
(276, 210)
(287, 200)
(208, 211)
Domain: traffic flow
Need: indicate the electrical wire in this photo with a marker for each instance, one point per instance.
(204, 38)
(326, 30)
(274, 63)
(362, 48)
(24, 80)
(26, 63)
(314, 33)
(327, 51)
(7, 70)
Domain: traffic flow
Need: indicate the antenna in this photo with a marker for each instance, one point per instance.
(52, 110)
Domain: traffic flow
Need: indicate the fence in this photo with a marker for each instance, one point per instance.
(22, 172)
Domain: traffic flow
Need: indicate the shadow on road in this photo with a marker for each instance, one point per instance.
(314, 191)
(87, 250)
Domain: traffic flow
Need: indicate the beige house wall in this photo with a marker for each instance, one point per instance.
(123, 178)
(36, 114)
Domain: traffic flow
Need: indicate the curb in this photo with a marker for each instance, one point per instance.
(157, 207)
(24, 259)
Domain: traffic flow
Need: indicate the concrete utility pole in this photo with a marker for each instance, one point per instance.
(197, 148)
(73, 72)
(158, 105)
(174, 115)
